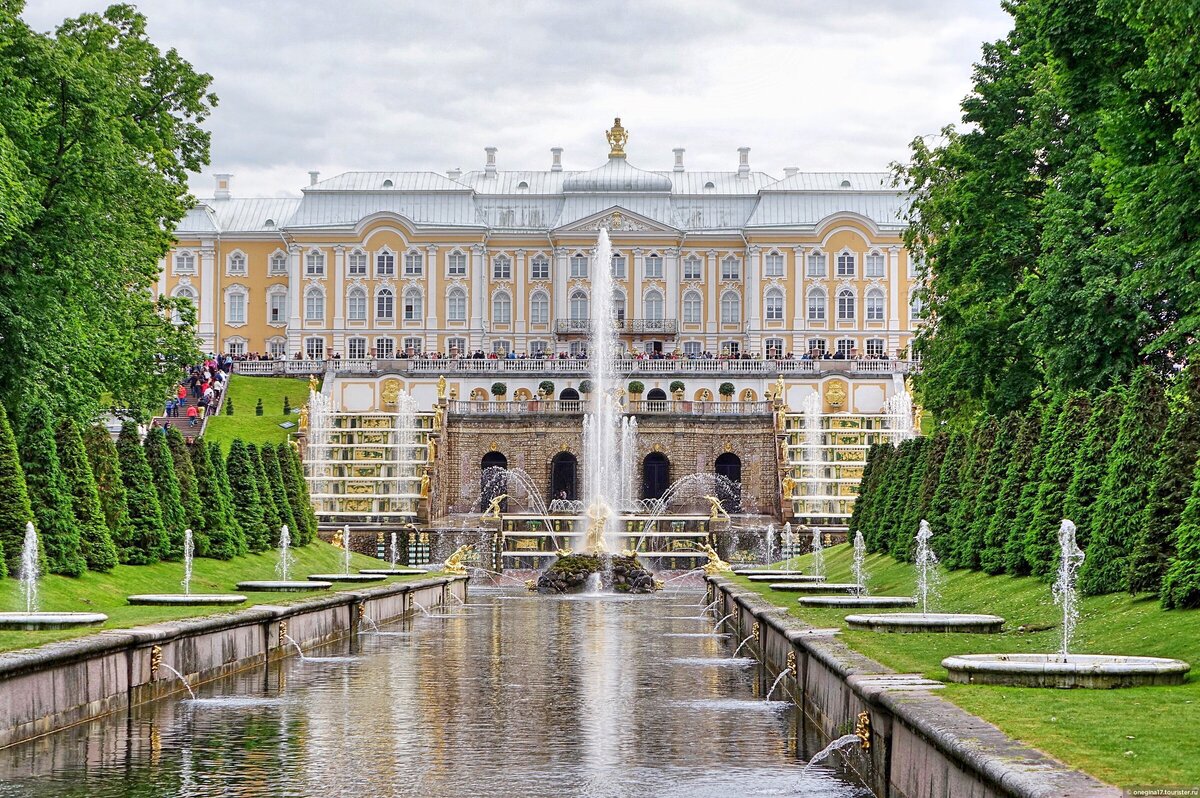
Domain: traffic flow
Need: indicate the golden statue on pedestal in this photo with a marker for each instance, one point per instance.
(304, 417)
(425, 483)
(597, 515)
(715, 564)
(617, 137)
(441, 387)
(789, 487)
(455, 563)
(493, 510)
(437, 417)
(716, 509)
(313, 384)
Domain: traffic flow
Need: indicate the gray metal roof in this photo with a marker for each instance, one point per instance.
(804, 209)
(721, 182)
(347, 208)
(834, 181)
(616, 175)
(378, 181)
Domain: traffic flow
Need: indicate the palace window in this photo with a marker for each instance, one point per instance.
(539, 308)
(874, 265)
(845, 264)
(456, 264)
(314, 266)
(502, 308)
(412, 346)
(314, 348)
(730, 348)
(875, 305)
(618, 267)
(774, 305)
(774, 348)
(356, 304)
(314, 304)
(579, 306)
(385, 264)
(773, 265)
(456, 305)
(692, 268)
(654, 306)
(816, 264)
(237, 263)
(817, 347)
(731, 308)
(579, 266)
(875, 347)
(412, 305)
(816, 305)
(385, 348)
(185, 263)
(691, 307)
(691, 348)
(501, 347)
(654, 267)
(278, 263)
(456, 346)
(845, 346)
(916, 306)
(619, 306)
(277, 347)
(277, 304)
(356, 264)
(731, 268)
(356, 348)
(235, 346)
(539, 268)
(845, 305)
(539, 347)
(501, 268)
(577, 348)
(414, 264)
(385, 305)
(183, 292)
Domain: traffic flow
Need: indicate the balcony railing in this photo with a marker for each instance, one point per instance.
(575, 407)
(624, 326)
(569, 367)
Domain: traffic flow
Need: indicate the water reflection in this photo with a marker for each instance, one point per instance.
(603, 698)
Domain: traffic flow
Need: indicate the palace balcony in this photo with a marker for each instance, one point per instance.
(577, 407)
(568, 327)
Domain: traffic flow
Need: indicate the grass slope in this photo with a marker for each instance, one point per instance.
(1125, 737)
(106, 592)
(245, 392)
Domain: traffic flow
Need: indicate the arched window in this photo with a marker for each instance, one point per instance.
(656, 475)
(916, 306)
(183, 292)
(774, 305)
(413, 306)
(185, 263)
(816, 304)
(314, 304)
(816, 264)
(501, 268)
(564, 469)
(874, 264)
(579, 266)
(235, 305)
(731, 268)
(539, 268)
(875, 305)
(493, 479)
(691, 268)
(618, 266)
(692, 307)
(356, 263)
(414, 264)
(237, 263)
(728, 468)
(845, 305)
(356, 304)
(456, 264)
(654, 305)
(654, 267)
(385, 263)
(502, 308)
(456, 305)
(385, 305)
(314, 265)
(278, 263)
(579, 306)
(845, 264)
(773, 265)
(731, 308)
(539, 308)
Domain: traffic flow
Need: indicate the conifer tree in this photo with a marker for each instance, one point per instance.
(934, 453)
(901, 538)
(15, 511)
(99, 551)
(1181, 583)
(106, 470)
(1170, 486)
(270, 461)
(189, 492)
(865, 486)
(1007, 505)
(988, 490)
(221, 472)
(874, 534)
(212, 525)
(1090, 462)
(1014, 549)
(247, 501)
(166, 483)
(48, 494)
(957, 551)
(147, 541)
(297, 487)
(945, 493)
(266, 496)
(1040, 534)
(1124, 492)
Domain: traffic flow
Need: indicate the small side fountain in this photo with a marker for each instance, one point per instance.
(393, 558)
(1064, 669)
(859, 597)
(346, 575)
(187, 598)
(31, 619)
(284, 584)
(929, 577)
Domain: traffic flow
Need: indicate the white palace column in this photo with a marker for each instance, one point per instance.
(207, 321)
(894, 304)
(339, 299)
(671, 278)
(560, 288)
(478, 287)
(635, 309)
(713, 311)
(433, 299)
(800, 301)
(520, 294)
(295, 289)
(753, 298)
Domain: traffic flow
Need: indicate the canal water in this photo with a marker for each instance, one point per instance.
(511, 696)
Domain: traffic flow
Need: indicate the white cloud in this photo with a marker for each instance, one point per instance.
(425, 86)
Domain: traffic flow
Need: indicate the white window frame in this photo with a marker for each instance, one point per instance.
(579, 299)
(814, 311)
(501, 267)
(314, 263)
(385, 304)
(236, 264)
(653, 305)
(654, 266)
(845, 345)
(846, 264)
(579, 266)
(314, 294)
(184, 262)
(846, 310)
(456, 305)
(618, 266)
(773, 348)
(773, 305)
(815, 264)
(876, 303)
(875, 264)
(314, 347)
(731, 268)
(693, 268)
(693, 307)
(875, 347)
(456, 264)
(385, 263)
(277, 293)
(539, 308)
(731, 308)
(357, 304)
(385, 347)
(456, 344)
(414, 263)
(357, 342)
(501, 308)
(356, 263)
(692, 348)
(774, 264)
(412, 345)
(184, 292)
(414, 304)
(539, 268)
(277, 263)
(277, 346)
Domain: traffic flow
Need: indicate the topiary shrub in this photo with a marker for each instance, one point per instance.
(98, 549)
(636, 387)
(1181, 583)
(170, 502)
(287, 406)
(258, 408)
(229, 405)
(49, 495)
(499, 389)
(247, 501)
(585, 386)
(725, 389)
(546, 387)
(147, 539)
(676, 386)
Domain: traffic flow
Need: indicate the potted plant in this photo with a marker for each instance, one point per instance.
(499, 390)
(726, 390)
(677, 390)
(635, 388)
(546, 389)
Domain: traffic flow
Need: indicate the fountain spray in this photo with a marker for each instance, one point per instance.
(601, 425)
(928, 575)
(285, 553)
(394, 554)
(30, 568)
(346, 550)
(818, 553)
(1065, 594)
(188, 548)
(858, 566)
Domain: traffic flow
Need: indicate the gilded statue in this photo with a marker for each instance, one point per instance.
(493, 510)
(617, 137)
(425, 483)
(431, 448)
(390, 392)
(437, 417)
(313, 384)
(337, 539)
(455, 563)
(304, 417)
(597, 515)
(779, 389)
(716, 509)
(789, 487)
(441, 387)
(835, 394)
(781, 419)
(715, 564)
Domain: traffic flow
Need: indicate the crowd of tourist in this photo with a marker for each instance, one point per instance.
(581, 354)
(204, 382)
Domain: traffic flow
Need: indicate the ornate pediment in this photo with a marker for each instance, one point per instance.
(616, 219)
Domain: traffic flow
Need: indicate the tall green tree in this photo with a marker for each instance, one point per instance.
(266, 495)
(247, 499)
(955, 551)
(934, 452)
(1181, 584)
(987, 490)
(1169, 487)
(945, 494)
(866, 485)
(49, 495)
(1040, 535)
(100, 131)
(297, 491)
(166, 482)
(189, 492)
(1008, 497)
(1014, 549)
(274, 474)
(221, 472)
(98, 549)
(1124, 492)
(147, 541)
(106, 469)
(1091, 461)
(215, 525)
(15, 511)
(901, 537)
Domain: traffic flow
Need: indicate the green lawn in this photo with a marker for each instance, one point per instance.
(1125, 737)
(106, 592)
(245, 392)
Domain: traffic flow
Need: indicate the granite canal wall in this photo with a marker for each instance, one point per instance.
(912, 742)
(56, 685)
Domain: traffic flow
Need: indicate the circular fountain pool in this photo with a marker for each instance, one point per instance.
(346, 577)
(393, 571)
(33, 621)
(815, 587)
(186, 599)
(1073, 670)
(911, 622)
(283, 586)
(857, 601)
(789, 578)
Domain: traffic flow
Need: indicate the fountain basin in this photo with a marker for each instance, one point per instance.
(393, 571)
(282, 586)
(815, 587)
(186, 599)
(857, 601)
(1094, 671)
(765, 572)
(346, 577)
(33, 621)
(784, 578)
(912, 622)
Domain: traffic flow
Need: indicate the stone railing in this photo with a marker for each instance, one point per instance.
(574, 407)
(624, 326)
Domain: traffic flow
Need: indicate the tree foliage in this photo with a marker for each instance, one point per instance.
(99, 552)
(49, 496)
(1040, 535)
(1181, 584)
(189, 491)
(247, 500)
(297, 492)
(274, 474)
(162, 466)
(15, 511)
(1091, 462)
(144, 540)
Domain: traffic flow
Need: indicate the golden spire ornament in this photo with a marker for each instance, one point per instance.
(617, 138)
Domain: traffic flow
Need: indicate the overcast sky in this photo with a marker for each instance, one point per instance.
(399, 85)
